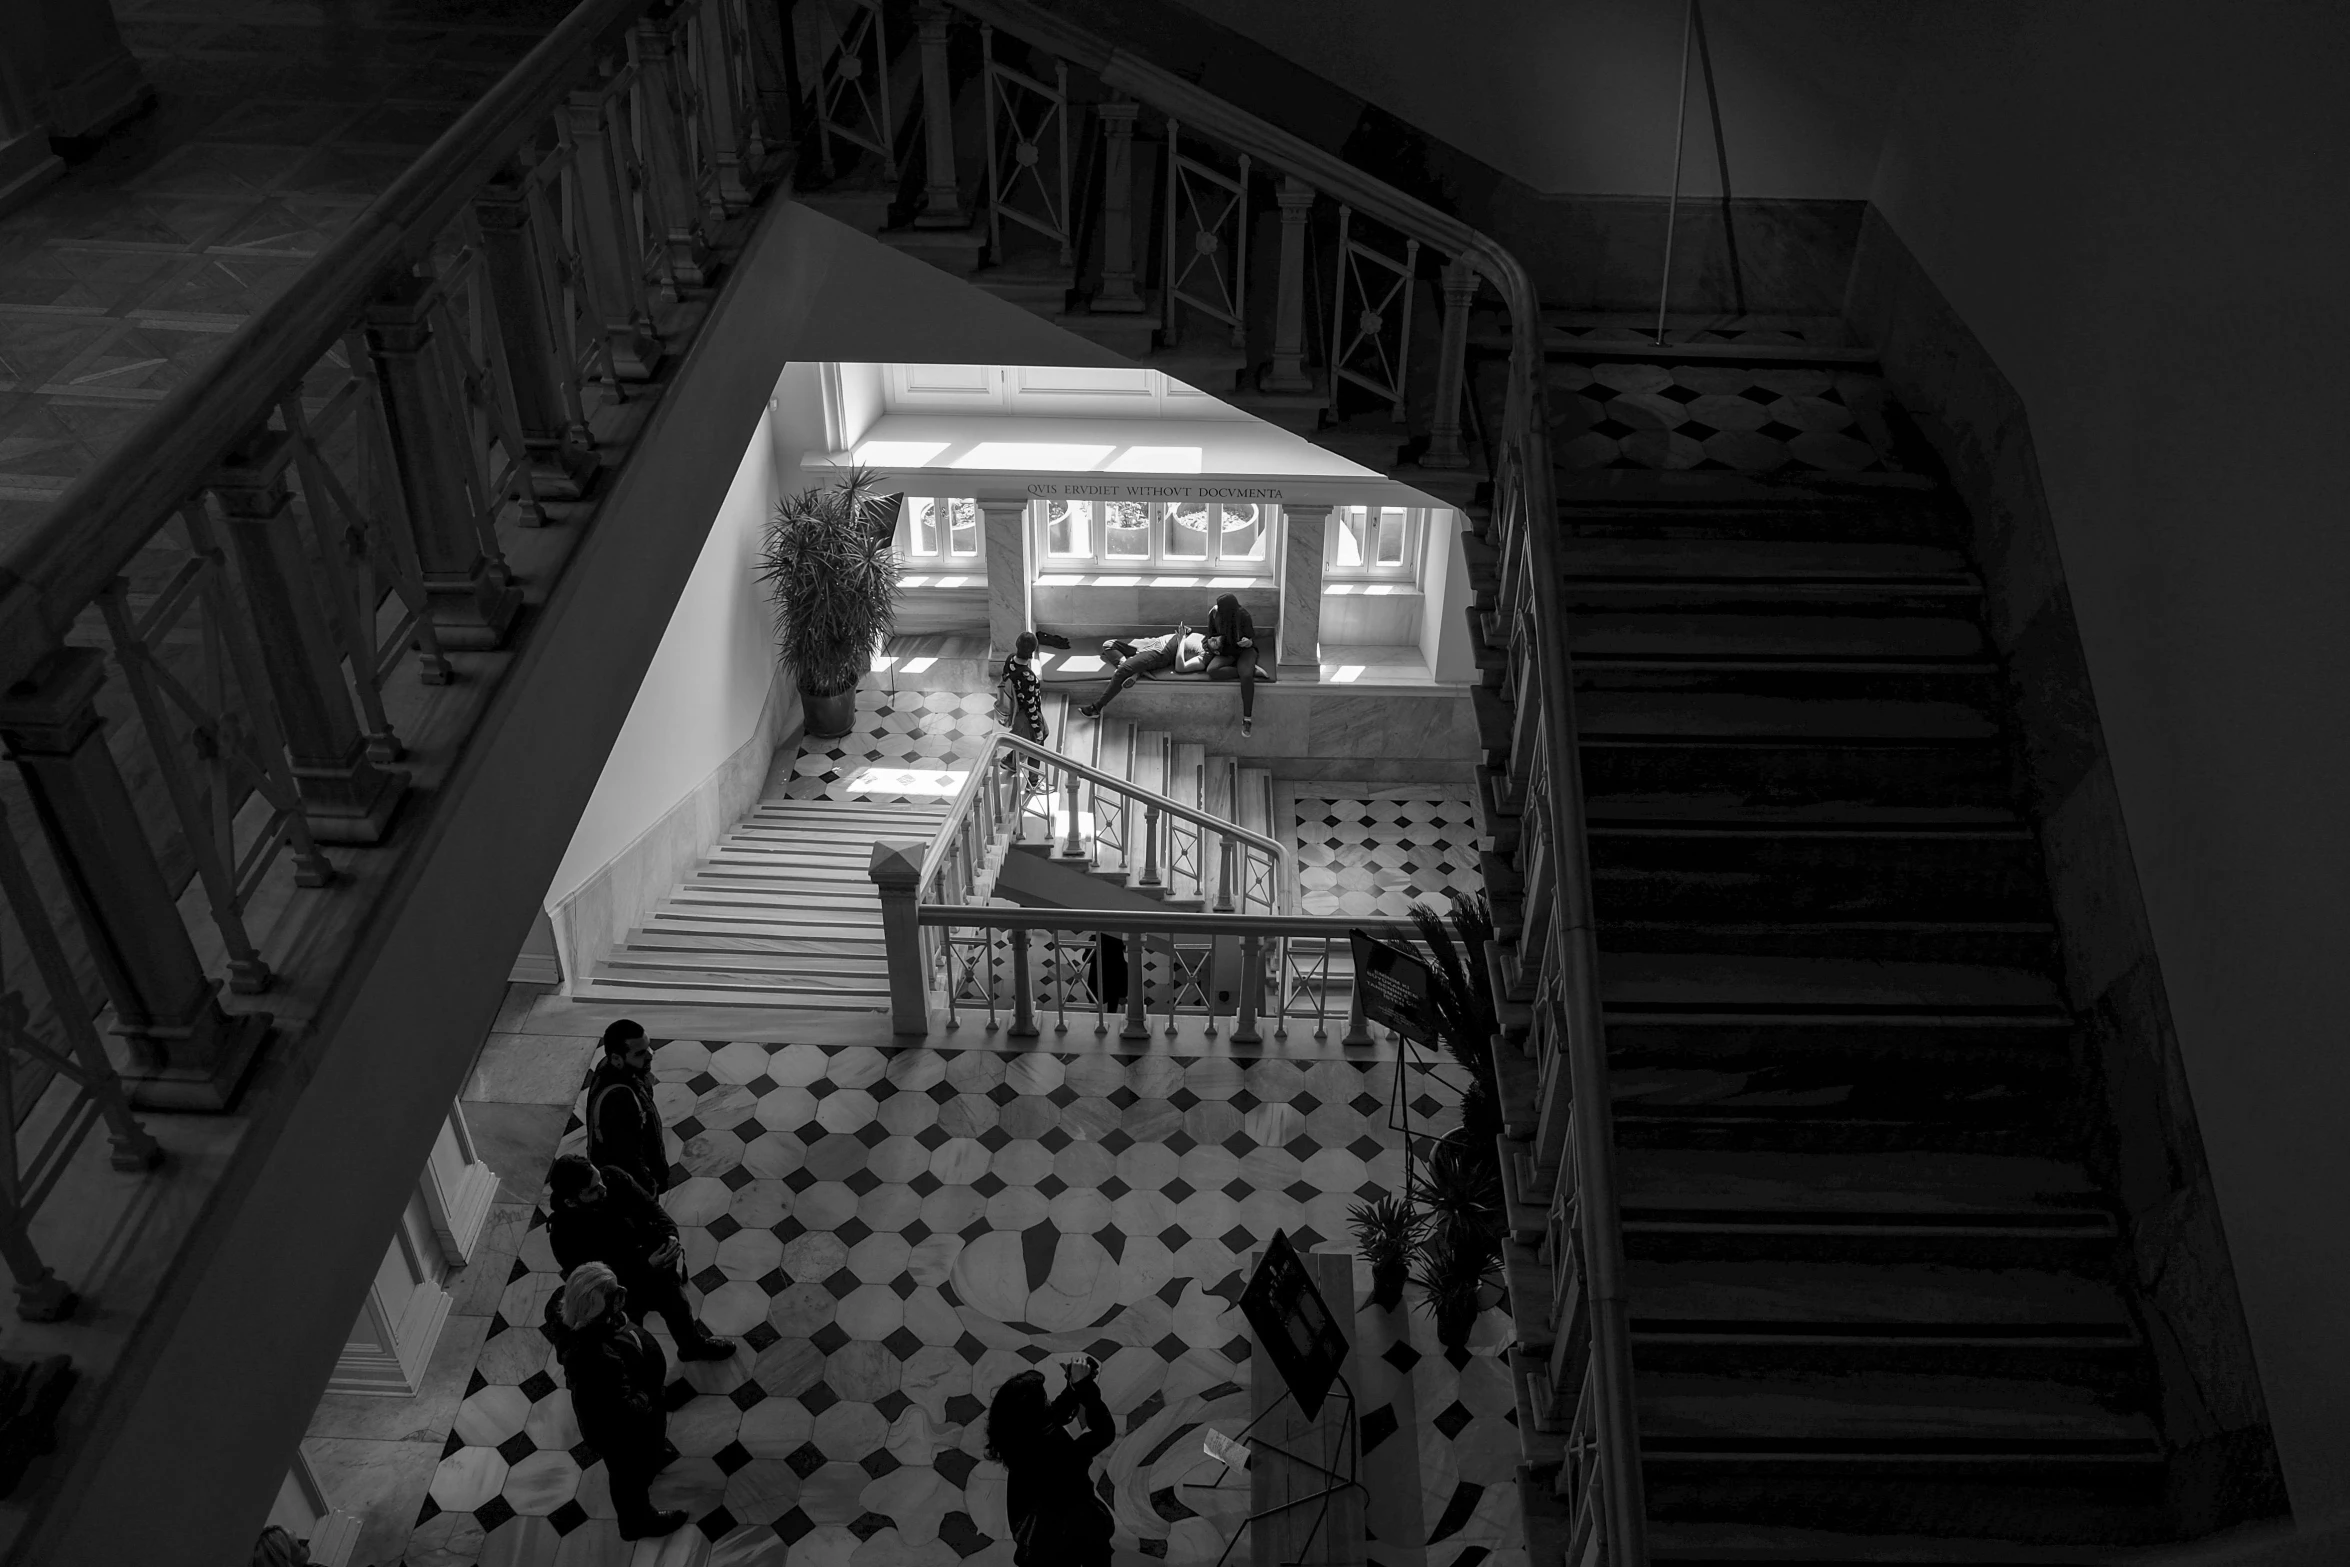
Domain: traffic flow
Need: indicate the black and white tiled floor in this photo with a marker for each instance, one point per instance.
(892, 1234)
(1749, 419)
(908, 744)
(1376, 852)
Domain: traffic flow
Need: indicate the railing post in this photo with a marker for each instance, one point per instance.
(1138, 1023)
(1073, 843)
(673, 185)
(346, 798)
(184, 1052)
(896, 869)
(1288, 371)
(722, 62)
(1023, 992)
(473, 599)
(942, 192)
(1299, 655)
(769, 137)
(1150, 845)
(1358, 1026)
(1117, 294)
(1252, 983)
(612, 263)
(1452, 356)
(1224, 851)
(562, 453)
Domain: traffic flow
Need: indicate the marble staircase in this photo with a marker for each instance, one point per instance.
(1880, 1308)
(781, 914)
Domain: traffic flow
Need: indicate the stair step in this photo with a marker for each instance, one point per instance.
(1813, 640)
(1759, 560)
(1723, 810)
(646, 957)
(1871, 1420)
(1685, 1541)
(600, 988)
(1793, 1300)
(1799, 775)
(1604, 715)
(1737, 983)
(1856, 1193)
(691, 935)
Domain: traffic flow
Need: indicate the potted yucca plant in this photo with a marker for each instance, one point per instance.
(1387, 1228)
(831, 566)
(1454, 1268)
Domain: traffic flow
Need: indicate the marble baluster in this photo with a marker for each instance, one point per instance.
(1459, 284)
(562, 453)
(942, 196)
(674, 184)
(179, 1049)
(610, 260)
(1288, 373)
(346, 797)
(1117, 294)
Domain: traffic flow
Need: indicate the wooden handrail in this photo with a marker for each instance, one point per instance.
(1002, 744)
(111, 511)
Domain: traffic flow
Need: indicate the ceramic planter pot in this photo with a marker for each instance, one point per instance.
(1456, 1319)
(828, 714)
(1387, 1281)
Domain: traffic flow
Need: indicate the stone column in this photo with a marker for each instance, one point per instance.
(473, 599)
(345, 796)
(942, 193)
(180, 1050)
(1117, 294)
(1300, 641)
(401, 1319)
(609, 255)
(1452, 356)
(735, 167)
(457, 1189)
(1004, 543)
(675, 184)
(896, 869)
(26, 163)
(562, 452)
(1288, 371)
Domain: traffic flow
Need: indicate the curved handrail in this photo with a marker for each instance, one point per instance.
(113, 509)
(966, 798)
(1525, 437)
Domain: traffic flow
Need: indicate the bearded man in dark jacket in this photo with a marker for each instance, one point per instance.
(605, 1215)
(623, 1125)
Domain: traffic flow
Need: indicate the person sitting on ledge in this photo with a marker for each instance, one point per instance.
(1232, 653)
(1181, 650)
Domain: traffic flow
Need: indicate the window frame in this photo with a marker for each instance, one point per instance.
(1405, 570)
(1212, 562)
(946, 557)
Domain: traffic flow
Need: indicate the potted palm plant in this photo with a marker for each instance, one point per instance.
(1387, 1228)
(831, 568)
(1454, 1267)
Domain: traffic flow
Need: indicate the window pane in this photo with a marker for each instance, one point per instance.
(1068, 527)
(921, 525)
(1351, 522)
(962, 526)
(1391, 531)
(1187, 530)
(1126, 530)
(1243, 537)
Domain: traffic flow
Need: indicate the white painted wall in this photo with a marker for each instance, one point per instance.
(1444, 629)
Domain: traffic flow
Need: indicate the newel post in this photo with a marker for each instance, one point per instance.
(1117, 294)
(1452, 355)
(473, 597)
(942, 194)
(346, 798)
(1299, 646)
(562, 452)
(181, 1051)
(1288, 371)
(896, 869)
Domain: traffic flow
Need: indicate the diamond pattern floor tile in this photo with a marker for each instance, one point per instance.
(1377, 857)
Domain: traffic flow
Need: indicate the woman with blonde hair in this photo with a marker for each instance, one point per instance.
(616, 1372)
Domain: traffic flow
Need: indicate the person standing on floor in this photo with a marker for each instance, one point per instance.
(1057, 1518)
(616, 1372)
(1020, 695)
(623, 1127)
(606, 1216)
(1232, 652)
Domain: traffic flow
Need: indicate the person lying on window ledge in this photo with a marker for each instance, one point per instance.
(1182, 650)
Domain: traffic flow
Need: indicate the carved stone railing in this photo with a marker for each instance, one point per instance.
(1577, 1375)
(203, 646)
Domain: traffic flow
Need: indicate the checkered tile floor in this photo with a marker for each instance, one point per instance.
(1382, 851)
(907, 745)
(1751, 419)
(892, 1235)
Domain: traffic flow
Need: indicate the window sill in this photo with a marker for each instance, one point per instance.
(1375, 588)
(1153, 578)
